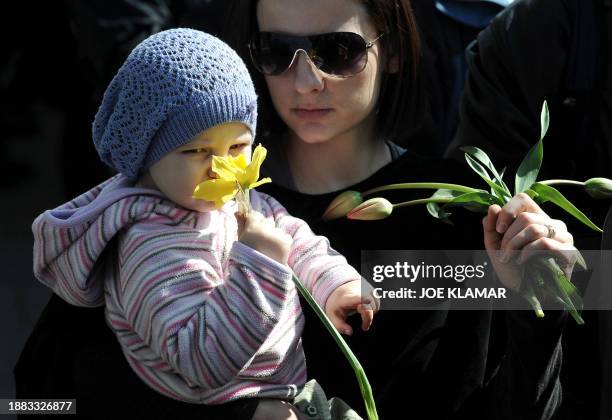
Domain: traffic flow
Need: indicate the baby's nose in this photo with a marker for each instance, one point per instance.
(211, 174)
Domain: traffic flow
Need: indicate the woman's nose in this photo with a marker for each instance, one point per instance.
(308, 77)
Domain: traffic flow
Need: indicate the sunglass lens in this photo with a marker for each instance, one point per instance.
(336, 53)
(340, 53)
(271, 53)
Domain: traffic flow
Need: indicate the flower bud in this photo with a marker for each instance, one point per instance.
(342, 204)
(599, 187)
(372, 209)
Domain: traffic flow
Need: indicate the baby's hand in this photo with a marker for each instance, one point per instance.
(262, 235)
(349, 299)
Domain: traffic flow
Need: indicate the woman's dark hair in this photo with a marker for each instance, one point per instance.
(401, 95)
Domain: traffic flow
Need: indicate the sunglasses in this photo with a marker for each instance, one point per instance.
(341, 54)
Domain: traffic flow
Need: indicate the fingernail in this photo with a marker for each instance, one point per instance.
(347, 332)
(501, 228)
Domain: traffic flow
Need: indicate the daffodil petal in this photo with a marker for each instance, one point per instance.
(260, 182)
(226, 168)
(252, 171)
(218, 190)
(241, 161)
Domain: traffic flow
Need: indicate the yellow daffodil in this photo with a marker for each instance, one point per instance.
(234, 174)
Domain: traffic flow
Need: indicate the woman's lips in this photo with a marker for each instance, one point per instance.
(311, 114)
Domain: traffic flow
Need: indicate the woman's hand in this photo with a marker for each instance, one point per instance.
(512, 233)
(352, 297)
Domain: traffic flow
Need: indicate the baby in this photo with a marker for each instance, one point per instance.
(201, 301)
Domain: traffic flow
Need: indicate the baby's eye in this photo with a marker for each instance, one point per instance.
(238, 146)
(194, 151)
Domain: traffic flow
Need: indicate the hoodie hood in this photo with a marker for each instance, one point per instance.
(69, 240)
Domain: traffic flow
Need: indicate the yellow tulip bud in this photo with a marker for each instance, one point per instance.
(342, 204)
(372, 209)
(599, 187)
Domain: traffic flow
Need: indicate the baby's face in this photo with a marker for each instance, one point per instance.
(180, 171)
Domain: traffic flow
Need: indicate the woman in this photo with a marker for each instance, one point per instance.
(339, 89)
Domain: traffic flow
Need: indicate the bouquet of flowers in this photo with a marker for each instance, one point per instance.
(544, 278)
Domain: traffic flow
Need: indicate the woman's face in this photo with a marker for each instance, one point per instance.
(318, 107)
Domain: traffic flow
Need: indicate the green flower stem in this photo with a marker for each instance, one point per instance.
(422, 201)
(561, 182)
(243, 200)
(421, 185)
(364, 385)
(529, 294)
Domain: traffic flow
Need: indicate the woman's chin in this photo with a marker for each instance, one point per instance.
(313, 135)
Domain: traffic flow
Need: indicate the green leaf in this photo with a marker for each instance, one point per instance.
(560, 284)
(535, 196)
(484, 159)
(551, 194)
(580, 260)
(482, 172)
(434, 208)
(531, 193)
(544, 120)
(551, 289)
(527, 172)
(479, 199)
(566, 286)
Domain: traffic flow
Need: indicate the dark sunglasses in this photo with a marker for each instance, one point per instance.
(341, 54)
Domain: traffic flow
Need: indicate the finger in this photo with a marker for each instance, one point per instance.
(351, 301)
(563, 251)
(534, 232)
(523, 220)
(518, 204)
(241, 222)
(367, 316)
(368, 297)
(251, 220)
(492, 239)
(374, 302)
(255, 217)
(341, 325)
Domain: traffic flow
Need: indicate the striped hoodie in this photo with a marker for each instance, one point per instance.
(200, 316)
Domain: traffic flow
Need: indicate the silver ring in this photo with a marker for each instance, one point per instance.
(551, 231)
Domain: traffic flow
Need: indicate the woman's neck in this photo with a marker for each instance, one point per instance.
(319, 168)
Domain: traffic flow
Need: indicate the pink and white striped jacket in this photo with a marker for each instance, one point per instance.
(200, 316)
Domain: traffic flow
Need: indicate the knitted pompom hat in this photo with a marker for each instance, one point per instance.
(173, 85)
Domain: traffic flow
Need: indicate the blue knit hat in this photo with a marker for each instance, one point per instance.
(174, 85)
